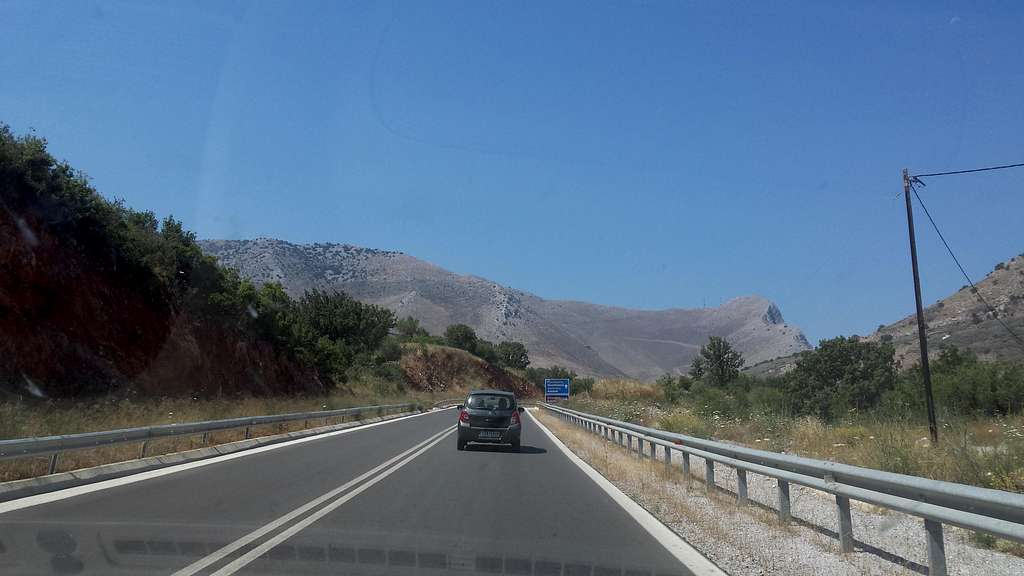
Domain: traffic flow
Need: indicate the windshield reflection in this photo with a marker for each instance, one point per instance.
(127, 548)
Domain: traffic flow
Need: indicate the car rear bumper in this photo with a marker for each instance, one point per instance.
(490, 435)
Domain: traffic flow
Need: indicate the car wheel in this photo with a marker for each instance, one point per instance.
(461, 445)
(515, 446)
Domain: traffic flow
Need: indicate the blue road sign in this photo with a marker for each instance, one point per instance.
(556, 388)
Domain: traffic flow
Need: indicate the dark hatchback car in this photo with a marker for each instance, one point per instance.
(492, 417)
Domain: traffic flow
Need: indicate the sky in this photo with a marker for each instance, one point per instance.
(641, 154)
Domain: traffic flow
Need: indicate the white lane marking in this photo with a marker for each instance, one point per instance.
(275, 524)
(686, 554)
(38, 499)
(294, 529)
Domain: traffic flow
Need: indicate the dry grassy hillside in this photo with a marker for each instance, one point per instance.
(964, 321)
(440, 369)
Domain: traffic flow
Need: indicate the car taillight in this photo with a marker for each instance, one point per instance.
(464, 417)
(515, 418)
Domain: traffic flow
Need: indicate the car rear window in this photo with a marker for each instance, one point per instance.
(491, 402)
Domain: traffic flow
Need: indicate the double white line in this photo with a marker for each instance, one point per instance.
(332, 500)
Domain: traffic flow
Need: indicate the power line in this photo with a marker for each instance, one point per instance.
(1003, 167)
(962, 271)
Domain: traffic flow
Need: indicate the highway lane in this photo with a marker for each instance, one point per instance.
(222, 501)
(428, 510)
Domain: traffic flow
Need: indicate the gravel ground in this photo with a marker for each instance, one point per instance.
(751, 541)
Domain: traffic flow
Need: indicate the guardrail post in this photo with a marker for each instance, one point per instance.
(668, 460)
(248, 431)
(686, 467)
(142, 449)
(741, 487)
(53, 462)
(640, 447)
(845, 524)
(784, 504)
(709, 475)
(936, 548)
(654, 451)
(206, 438)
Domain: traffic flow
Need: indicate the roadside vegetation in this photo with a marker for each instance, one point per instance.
(113, 317)
(845, 401)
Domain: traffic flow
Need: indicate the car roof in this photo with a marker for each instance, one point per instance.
(499, 392)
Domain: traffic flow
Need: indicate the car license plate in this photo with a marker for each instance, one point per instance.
(489, 434)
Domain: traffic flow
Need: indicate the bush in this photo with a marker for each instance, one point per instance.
(581, 385)
(390, 351)
(672, 387)
(513, 355)
(841, 375)
(962, 385)
(461, 336)
(685, 423)
(162, 261)
(711, 401)
(487, 352)
(768, 400)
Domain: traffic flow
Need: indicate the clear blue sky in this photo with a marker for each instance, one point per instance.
(642, 154)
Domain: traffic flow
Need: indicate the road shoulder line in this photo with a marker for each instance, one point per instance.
(679, 548)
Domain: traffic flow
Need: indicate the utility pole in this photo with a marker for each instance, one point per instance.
(922, 336)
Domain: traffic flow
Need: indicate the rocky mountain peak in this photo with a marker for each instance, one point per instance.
(588, 338)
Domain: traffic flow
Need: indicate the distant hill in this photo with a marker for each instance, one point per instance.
(588, 338)
(964, 321)
(960, 320)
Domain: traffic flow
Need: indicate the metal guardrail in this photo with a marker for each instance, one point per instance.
(54, 445)
(980, 509)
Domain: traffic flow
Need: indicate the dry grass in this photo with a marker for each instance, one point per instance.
(32, 419)
(622, 389)
(712, 522)
(985, 452)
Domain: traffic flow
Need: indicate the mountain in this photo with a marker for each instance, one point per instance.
(589, 338)
(960, 320)
(963, 320)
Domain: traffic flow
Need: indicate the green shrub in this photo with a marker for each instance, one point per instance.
(711, 401)
(685, 423)
(672, 387)
(163, 262)
(841, 375)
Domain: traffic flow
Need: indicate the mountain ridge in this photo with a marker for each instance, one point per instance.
(592, 339)
(960, 319)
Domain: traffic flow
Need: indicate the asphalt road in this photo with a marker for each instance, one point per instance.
(394, 498)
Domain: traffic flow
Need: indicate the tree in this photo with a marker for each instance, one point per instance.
(461, 336)
(409, 327)
(486, 351)
(842, 374)
(718, 363)
(513, 354)
(671, 387)
(339, 317)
